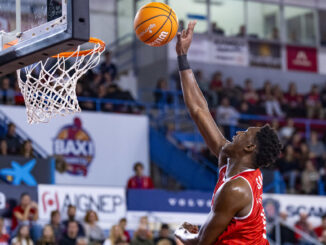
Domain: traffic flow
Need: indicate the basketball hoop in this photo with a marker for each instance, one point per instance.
(49, 88)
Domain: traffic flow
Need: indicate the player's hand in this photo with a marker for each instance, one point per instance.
(185, 38)
(191, 228)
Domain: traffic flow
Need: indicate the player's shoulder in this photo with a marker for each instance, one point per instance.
(237, 188)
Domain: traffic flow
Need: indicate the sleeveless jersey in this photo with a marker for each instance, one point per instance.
(250, 229)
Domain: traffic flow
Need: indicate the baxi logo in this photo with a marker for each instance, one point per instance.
(76, 146)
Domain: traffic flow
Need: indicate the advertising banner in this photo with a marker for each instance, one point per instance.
(10, 197)
(168, 206)
(265, 55)
(217, 50)
(94, 148)
(293, 205)
(227, 51)
(302, 58)
(19, 170)
(109, 203)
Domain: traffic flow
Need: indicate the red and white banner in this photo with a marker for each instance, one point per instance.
(302, 58)
(109, 203)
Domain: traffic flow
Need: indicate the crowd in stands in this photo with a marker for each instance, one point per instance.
(26, 230)
(288, 235)
(303, 161)
(11, 144)
(99, 83)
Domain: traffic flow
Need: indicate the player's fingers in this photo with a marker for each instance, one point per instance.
(184, 34)
(191, 27)
(179, 36)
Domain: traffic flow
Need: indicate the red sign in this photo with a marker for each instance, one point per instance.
(302, 59)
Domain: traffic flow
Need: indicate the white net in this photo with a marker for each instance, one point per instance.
(49, 87)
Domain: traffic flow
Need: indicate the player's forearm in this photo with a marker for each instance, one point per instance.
(193, 97)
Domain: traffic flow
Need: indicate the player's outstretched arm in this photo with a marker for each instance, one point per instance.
(194, 98)
(235, 196)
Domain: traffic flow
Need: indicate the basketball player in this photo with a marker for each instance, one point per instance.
(237, 215)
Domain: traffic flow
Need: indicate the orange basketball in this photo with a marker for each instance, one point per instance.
(156, 24)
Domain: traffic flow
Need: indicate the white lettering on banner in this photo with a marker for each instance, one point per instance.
(109, 203)
(2, 201)
(302, 59)
(76, 147)
(182, 202)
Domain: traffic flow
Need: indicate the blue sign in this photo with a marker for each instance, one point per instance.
(168, 201)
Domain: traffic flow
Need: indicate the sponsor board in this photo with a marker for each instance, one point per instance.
(265, 55)
(17, 170)
(98, 148)
(302, 58)
(108, 202)
(293, 205)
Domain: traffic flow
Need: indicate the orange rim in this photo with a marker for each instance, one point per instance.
(83, 52)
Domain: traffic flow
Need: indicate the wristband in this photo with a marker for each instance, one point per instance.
(183, 62)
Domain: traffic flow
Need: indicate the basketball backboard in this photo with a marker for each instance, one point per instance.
(32, 30)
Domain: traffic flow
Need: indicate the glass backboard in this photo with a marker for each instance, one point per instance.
(31, 30)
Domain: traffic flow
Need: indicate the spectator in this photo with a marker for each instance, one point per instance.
(12, 140)
(123, 225)
(275, 34)
(232, 92)
(143, 236)
(217, 30)
(287, 131)
(108, 66)
(70, 237)
(82, 241)
(303, 225)
(93, 232)
(309, 178)
(56, 225)
(26, 213)
(323, 99)
(164, 236)
(23, 237)
(293, 101)
(27, 149)
(227, 116)
(210, 96)
(322, 239)
(322, 228)
(286, 234)
(288, 168)
(216, 85)
(7, 94)
(162, 95)
(71, 212)
(313, 103)
(242, 31)
(250, 95)
(272, 105)
(316, 146)
(48, 237)
(4, 237)
(19, 98)
(116, 237)
(139, 181)
(3, 148)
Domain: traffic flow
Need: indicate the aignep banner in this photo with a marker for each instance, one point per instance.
(108, 202)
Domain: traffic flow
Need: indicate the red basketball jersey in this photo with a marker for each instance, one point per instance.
(250, 229)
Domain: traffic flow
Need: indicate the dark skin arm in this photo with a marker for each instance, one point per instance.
(234, 199)
(196, 102)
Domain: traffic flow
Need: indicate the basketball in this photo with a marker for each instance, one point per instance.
(156, 24)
